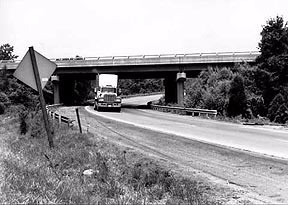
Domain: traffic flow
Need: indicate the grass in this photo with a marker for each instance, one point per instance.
(36, 174)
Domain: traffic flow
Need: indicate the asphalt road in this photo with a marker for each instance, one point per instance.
(272, 141)
(177, 141)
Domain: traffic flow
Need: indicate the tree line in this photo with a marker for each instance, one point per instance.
(248, 91)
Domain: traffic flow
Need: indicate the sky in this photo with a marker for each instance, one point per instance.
(91, 28)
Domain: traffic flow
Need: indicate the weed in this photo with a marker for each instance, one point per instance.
(37, 174)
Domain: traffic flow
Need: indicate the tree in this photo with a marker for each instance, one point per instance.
(6, 52)
(272, 71)
(237, 97)
(274, 106)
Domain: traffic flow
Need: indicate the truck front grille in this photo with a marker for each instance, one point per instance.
(109, 98)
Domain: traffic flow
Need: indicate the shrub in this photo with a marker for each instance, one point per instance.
(237, 97)
(194, 94)
(2, 108)
(281, 115)
(23, 121)
(257, 106)
(274, 106)
(4, 98)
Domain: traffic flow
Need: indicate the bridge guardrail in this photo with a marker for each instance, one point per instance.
(60, 118)
(185, 111)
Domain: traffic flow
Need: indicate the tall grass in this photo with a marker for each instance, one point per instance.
(36, 174)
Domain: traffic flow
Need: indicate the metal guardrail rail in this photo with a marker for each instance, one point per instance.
(55, 116)
(185, 111)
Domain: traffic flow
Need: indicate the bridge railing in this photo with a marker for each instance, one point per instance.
(152, 59)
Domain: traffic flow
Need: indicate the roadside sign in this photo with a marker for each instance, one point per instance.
(28, 72)
(24, 71)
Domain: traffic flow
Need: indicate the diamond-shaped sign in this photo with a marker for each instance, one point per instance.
(24, 71)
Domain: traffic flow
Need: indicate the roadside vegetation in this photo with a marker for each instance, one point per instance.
(85, 169)
(259, 92)
(140, 86)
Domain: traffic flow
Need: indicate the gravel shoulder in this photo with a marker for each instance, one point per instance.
(234, 176)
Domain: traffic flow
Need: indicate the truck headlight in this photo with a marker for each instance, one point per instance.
(118, 100)
(100, 99)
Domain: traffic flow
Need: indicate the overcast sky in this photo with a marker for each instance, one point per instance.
(66, 28)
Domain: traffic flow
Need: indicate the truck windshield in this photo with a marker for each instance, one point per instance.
(109, 90)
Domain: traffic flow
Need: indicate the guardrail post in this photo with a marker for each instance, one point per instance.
(78, 119)
(59, 119)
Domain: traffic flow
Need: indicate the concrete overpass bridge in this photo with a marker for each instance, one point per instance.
(174, 68)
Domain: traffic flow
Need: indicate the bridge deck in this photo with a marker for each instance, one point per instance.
(167, 59)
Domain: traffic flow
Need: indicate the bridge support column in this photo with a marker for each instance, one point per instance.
(170, 89)
(56, 94)
(181, 77)
(67, 91)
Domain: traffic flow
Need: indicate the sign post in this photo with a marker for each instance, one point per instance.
(28, 72)
(41, 97)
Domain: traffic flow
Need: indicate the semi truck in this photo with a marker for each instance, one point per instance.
(107, 93)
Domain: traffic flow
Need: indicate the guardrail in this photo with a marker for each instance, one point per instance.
(55, 116)
(185, 111)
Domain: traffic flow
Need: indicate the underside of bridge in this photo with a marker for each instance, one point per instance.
(174, 85)
(174, 79)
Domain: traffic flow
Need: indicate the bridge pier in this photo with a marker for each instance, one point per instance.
(56, 94)
(170, 89)
(174, 88)
(181, 77)
(66, 91)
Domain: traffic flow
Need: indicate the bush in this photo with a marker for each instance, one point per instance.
(23, 121)
(274, 106)
(237, 97)
(257, 106)
(2, 108)
(281, 115)
(4, 98)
